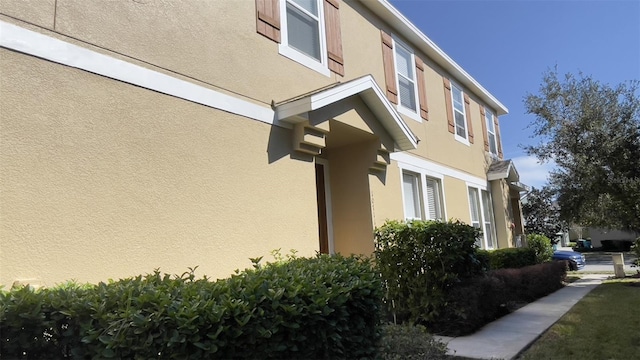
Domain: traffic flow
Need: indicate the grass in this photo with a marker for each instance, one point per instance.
(603, 325)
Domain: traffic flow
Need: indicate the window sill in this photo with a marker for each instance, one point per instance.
(462, 140)
(303, 60)
(409, 113)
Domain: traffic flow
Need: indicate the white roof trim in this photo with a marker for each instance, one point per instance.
(371, 94)
(419, 40)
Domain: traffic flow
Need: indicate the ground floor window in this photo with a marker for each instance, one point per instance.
(411, 195)
(482, 216)
(422, 196)
(434, 199)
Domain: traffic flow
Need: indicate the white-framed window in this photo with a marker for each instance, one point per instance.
(482, 216)
(303, 33)
(487, 214)
(459, 115)
(411, 195)
(433, 196)
(491, 132)
(406, 80)
(422, 194)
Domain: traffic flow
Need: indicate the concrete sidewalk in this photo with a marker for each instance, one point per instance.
(508, 336)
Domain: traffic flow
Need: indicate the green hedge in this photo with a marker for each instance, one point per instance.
(478, 301)
(420, 261)
(509, 258)
(320, 308)
(542, 247)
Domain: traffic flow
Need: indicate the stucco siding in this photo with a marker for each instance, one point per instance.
(102, 179)
(457, 199)
(37, 12)
(212, 41)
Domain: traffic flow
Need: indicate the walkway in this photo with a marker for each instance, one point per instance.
(506, 337)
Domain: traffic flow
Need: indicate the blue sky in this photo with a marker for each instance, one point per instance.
(507, 45)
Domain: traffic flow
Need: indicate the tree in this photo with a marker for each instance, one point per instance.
(541, 215)
(592, 132)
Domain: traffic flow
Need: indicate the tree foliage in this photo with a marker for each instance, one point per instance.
(592, 132)
(541, 214)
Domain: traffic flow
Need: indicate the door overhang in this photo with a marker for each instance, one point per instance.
(309, 138)
(505, 169)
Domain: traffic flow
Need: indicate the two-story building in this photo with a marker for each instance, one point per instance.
(144, 134)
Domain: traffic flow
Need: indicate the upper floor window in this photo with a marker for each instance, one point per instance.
(406, 77)
(303, 27)
(459, 113)
(491, 132)
(303, 34)
(308, 31)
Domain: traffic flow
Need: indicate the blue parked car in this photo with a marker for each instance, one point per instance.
(576, 260)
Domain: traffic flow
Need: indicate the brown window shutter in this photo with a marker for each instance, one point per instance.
(389, 67)
(422, 91)
(334, 38)
(497, 126)
(483, 121)
(268, 18)
(467, 114)
(449, 104)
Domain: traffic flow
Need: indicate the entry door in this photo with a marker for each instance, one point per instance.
(324, 207)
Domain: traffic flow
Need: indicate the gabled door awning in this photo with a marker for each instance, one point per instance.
(505, 169)
(296, 110)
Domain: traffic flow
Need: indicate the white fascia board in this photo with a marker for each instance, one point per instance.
(58, 51)
(498, 176)
(418, 39)
(320, 99)
(371, 94)
(406, 160)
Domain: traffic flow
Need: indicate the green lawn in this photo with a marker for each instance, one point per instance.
(605, 324)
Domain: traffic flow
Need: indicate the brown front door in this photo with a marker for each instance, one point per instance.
(323, 233)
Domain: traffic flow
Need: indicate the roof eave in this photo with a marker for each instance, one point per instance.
(393, 17)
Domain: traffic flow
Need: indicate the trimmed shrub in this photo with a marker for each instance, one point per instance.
(420, 261)
(510, 257)
(480, 300)
(532, 282)
(542, 247)
(470, 305)
(324, 307)
(400, 342)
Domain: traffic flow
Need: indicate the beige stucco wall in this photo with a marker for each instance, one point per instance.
(502, 212)
(350, 198)
(456, 199)
(86, 160)
(101, 180)
(37, 12)
(229, 54)
(386, 195)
